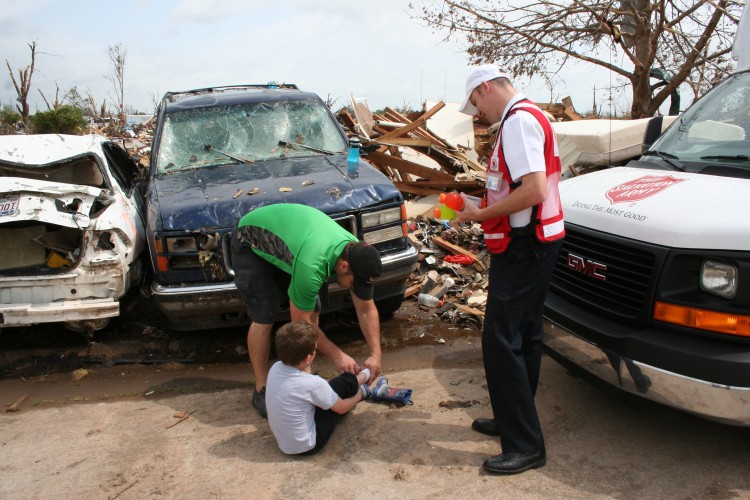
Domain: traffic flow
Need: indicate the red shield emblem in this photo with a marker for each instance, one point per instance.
(641, 188)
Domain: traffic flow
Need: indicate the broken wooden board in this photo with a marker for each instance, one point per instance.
(399, 132)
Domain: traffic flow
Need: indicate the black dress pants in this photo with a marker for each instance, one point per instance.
(512, 338)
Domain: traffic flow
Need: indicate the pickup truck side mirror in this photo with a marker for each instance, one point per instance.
(653, 131)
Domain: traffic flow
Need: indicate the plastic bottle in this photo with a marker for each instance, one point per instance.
(456, 201)
(352, 160)
(429, 300)
(443, 212)
(450, 202)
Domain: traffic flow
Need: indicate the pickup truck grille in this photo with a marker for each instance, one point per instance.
(348, 222)
(613, 275)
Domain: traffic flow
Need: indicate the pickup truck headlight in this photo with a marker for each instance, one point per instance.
(181, 245)
(719, 278)
(389, 216)
(373, 219)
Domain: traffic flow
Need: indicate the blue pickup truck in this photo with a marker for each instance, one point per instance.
(220, 152)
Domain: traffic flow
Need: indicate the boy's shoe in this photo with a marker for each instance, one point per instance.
(381, 386)
(259, 402)
(366, 391)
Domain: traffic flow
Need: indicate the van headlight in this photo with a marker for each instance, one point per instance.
(719, 278)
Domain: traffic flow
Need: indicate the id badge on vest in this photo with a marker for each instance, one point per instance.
(494, 178)
(493, 181)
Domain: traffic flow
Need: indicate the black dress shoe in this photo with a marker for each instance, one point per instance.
(513, 463)
(486, 426)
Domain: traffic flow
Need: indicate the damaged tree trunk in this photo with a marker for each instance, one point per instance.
(24, 87)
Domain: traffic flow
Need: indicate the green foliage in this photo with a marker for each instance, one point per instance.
(8, 120)
(63, 120)
(9, 117)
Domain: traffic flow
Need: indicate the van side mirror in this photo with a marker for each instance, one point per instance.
(653, 131)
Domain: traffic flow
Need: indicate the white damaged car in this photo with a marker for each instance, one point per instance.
(71, 230)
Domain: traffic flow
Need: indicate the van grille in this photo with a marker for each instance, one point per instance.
(629, 277)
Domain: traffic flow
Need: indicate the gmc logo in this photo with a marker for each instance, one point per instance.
(588, 267)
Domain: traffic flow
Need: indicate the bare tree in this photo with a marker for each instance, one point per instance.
(681, 39)
(58, 101)
(155, 100)
(117, 57)
(24, 87)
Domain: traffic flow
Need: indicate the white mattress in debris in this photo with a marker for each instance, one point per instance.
(601, 142)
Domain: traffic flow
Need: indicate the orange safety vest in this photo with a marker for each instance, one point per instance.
(546, 218)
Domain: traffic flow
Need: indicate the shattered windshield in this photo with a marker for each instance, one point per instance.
(716, 129)
(205, 137)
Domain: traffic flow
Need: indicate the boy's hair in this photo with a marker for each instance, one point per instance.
(294, 341)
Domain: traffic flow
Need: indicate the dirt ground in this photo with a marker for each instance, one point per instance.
(99, 421)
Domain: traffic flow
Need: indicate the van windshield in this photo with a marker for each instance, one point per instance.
(205, 137)
(715, 129)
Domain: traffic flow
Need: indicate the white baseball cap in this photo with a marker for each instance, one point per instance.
(477, 76)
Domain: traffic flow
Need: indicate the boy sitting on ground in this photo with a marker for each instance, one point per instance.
(303, 409)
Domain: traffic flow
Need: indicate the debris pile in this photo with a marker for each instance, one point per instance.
(450, 278)
(418, 161)
(422, 162)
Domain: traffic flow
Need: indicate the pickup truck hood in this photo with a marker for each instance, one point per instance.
(674, 209)
(215, 198)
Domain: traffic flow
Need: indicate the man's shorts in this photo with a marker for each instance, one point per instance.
(263, 287)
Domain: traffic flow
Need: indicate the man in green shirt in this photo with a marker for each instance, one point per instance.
(286, 252)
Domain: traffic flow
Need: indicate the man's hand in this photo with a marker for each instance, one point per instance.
(373, 363)
(471, 212)
(345, 363)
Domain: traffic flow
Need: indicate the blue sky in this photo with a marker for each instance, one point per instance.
(373, 49)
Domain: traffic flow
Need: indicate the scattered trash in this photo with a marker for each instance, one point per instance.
(184, 416)
(17, 405)
(80, 374)
(429, 300)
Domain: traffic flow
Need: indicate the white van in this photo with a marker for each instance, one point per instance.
(651, 292)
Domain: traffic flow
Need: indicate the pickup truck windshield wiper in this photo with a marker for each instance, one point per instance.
(292, 144)
(208, 147)
(726, 157)
(668, 158)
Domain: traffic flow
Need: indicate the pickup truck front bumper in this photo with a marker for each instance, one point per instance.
(700, 375)
(211, 305)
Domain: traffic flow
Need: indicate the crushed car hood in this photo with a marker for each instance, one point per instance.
(674, 209)
(43, 149)
(214, 198)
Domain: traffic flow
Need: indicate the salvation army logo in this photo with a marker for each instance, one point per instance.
(641, 188)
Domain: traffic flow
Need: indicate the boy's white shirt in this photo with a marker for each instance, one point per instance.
(291, 398)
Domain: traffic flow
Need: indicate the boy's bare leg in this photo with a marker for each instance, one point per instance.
(259, 349)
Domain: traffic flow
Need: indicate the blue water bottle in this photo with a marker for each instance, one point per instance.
(352, 160)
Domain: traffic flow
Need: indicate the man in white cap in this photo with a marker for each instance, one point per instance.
(523, 229)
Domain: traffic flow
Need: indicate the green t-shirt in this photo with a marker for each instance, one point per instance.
(300, 240)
